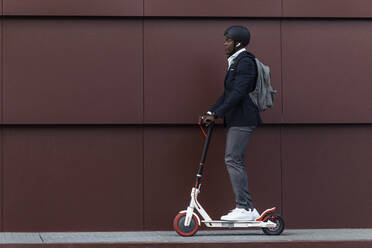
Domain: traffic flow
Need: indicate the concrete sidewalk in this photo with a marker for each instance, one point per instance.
(213, 238)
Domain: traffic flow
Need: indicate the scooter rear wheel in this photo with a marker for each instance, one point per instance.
(181, 229)
(278, 220)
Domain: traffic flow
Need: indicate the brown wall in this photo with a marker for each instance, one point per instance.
(76, 67)
(99, 104)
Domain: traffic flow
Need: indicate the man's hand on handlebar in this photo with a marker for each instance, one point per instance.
(207, 119)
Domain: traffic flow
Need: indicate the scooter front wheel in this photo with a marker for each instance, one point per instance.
(181, 229)
(278, 220)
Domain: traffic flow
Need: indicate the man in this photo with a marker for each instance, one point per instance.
(241, 117)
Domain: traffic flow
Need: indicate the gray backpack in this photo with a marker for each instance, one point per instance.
(263, 95)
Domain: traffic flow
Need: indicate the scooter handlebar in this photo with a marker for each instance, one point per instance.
(209, 125)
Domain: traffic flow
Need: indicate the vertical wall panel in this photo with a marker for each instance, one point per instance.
(1, 69)
(1, 179)
(326, 76)
(73, 179)
(172, 158)
(1, 120)
(185, 66)
(63, 71)
(74, 7)
(327, 176)
(208, 8)
(327, 8)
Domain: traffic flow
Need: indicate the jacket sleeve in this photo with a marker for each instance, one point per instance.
(218, 103)
(244, 83)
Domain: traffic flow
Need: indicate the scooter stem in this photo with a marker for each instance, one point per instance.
(204, 154)
(195, 191)
(206, 143)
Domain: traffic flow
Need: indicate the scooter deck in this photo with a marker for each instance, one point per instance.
(230, 221)
(234, 224)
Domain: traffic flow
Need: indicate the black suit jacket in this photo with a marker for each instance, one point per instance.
(235, 104)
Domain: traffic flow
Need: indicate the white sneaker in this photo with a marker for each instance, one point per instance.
(255, 214)
(238, 214)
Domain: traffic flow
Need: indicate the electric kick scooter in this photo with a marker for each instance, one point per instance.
(187, 222)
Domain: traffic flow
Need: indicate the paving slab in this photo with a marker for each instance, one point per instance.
(20, 238)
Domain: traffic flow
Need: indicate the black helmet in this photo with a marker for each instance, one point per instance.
(238, 34)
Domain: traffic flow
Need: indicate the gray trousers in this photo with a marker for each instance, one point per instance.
(237, 140)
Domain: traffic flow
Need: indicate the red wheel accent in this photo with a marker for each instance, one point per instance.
(181, 229)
